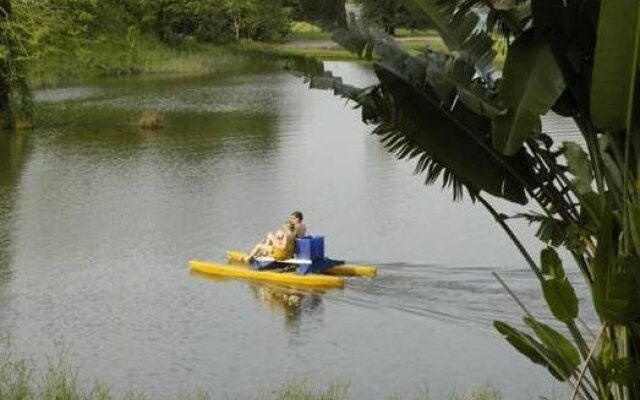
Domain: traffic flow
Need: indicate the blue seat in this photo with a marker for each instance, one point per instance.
(309, 247)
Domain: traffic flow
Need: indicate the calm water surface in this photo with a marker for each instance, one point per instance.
(99, 219)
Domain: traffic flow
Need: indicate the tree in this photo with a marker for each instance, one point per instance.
(5, 66)
(215, 21)
(479, 130)
(258, 19)
(330, 14)
(390, 14)
(12, 70)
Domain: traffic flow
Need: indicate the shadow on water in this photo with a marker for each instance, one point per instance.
(14, 152)
(209, 127)
(208, 116)
(293, 303)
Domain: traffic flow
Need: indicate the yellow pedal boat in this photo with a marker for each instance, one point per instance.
(237, 268)
(238, 257)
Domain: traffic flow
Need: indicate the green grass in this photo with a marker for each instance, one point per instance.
(322, 53)
(417, 43)
(144, 54)
(404, 32)
(20, 381)
(301, 30)
(115, 57)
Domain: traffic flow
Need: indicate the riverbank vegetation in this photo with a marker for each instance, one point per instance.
(54, 42)
(48, 42)
(19, 380)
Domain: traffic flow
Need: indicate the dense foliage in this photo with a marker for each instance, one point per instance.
(35, 33)
(329, 14)
(479, 129)
(214, 21)
(391, 14)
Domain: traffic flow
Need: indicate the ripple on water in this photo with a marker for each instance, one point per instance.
(103, 218)
(75, 93)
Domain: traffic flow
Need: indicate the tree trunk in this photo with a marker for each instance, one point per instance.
(390, 30)
(341, 14)
(329, 14)
(5, 71)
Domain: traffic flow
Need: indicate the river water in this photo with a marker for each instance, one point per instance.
(99, 219)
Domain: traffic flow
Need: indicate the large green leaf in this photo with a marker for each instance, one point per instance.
(476, 97)
(417, 115)
(611, 164)
(454, 138)
(457, 24)
(555, 341)
(616, 296)
(534, 350)
(616, 287)
(561, 298)
(579, 165)
(556, 288)
(635, 224)
(532, 83)
(355, 42)
(624, 371)
(440, 16)
(550, 263)
(615, 66)
(569, 29)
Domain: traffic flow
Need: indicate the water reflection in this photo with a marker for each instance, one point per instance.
(293, 303)
(14, 151)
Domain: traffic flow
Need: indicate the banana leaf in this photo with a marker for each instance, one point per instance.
(454, 139)
(554, 340)
(579, 166)
(532, 84)
(535, 351)
(458, 24)
(615, 68)
(616, 287)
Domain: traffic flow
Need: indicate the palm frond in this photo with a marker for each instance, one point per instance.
(455, 138)
(390, 130)
(419, 110)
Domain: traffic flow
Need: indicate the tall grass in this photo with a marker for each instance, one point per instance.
(301, 30)
(115, 56)
(144, 54)
(20, 381)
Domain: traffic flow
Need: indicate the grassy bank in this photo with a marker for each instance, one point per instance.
(327, 50)
(144, 54)
(117, 56)
(323, 50)
(20, 381)
(147, 55)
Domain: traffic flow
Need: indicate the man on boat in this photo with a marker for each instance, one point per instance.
(300, 228)
(295, 218)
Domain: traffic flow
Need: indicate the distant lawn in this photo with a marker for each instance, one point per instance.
(116, 57)
(307, 31)
(416, 44)
(323, 50)
(404, 32)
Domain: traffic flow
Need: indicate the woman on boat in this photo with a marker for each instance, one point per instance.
(279, 245)
(300, 229)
